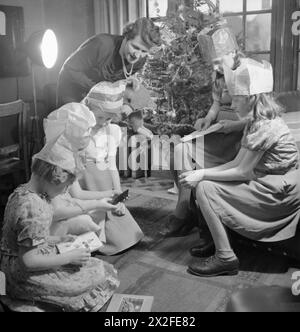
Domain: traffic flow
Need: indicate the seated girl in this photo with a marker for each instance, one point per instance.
(79, 211)
(257, 194)
(34, 269)
(73, 209)
(71, 215)
(217, 148)
(105, 100)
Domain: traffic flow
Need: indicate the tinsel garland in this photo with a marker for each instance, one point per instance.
(180, 81)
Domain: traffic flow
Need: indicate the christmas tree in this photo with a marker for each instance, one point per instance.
(176, 73)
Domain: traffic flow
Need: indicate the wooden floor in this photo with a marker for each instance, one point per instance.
(157, 266)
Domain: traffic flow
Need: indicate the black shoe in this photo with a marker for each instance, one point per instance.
(213, 267)
(203, 251)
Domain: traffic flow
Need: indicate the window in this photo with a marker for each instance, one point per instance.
(2, 24)
(251, 20)
(157, 8)
(263, 29)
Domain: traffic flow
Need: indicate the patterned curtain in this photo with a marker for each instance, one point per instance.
(112, 15)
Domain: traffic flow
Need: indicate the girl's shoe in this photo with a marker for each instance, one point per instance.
(214, 267)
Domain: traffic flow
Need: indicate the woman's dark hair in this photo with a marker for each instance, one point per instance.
(146, 29)
(52, 174)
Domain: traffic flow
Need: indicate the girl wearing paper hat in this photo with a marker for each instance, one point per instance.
(69, 129)
(218, 47)
(35, 272)
(256, 195)
(105, 100)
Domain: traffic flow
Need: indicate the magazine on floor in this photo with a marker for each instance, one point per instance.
(130, 303)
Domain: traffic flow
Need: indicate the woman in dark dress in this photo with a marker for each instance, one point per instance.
(106, 57)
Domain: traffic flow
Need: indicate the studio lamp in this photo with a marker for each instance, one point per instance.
(41, 49)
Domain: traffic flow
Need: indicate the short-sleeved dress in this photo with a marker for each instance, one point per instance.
(266, 209)
(26, 224)
(121, 232)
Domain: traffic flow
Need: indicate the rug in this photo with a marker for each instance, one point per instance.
(158, 267)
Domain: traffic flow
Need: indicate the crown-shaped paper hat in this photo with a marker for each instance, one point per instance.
(106, 97)
(65, 130)
(217, 42)
(72, 120)
(250, 78)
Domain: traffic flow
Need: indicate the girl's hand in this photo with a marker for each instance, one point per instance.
(191, 179)
(106, 206)
(78, 257)
(120, 211)
(202, 124)
(107, 194)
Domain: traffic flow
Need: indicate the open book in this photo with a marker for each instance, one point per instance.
(212, 129)
(88, 241)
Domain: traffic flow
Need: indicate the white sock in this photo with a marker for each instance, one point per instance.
(226, 255)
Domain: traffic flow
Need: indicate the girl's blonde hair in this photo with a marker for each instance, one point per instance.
(265, 107)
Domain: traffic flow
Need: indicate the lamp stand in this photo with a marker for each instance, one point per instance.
(35, 140)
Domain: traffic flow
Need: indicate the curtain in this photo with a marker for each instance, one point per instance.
(112, 15)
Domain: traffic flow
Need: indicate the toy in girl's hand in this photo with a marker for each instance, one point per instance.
(120, 198)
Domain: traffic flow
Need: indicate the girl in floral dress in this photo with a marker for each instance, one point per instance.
(35, 271)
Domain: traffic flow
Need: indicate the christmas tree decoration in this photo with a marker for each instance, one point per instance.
(178, 76)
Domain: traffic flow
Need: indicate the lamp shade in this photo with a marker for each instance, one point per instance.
(42, 49)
